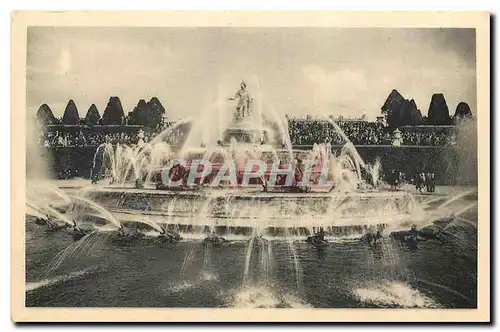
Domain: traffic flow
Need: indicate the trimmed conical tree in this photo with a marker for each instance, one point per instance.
(439, 113)
(71, 116)
(394, 99)
(462, 111)
(391, 108)
(412, 115)
(93, 116)
(156, 112)
(413, 104)
(45, 115)
(156, 105)
(139, 113)
(400, 111)
(147, 113)
(113, 113)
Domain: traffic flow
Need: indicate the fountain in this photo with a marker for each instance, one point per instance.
(230, 182)
(237, 166)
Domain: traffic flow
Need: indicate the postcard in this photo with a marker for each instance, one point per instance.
(250, 167)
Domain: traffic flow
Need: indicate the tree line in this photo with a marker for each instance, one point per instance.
(399, 111)
(148, 114)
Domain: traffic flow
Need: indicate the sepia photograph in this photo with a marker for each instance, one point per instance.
(236, 161)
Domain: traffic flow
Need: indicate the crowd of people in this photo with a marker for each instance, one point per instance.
(308, 132)
(423, 180)
(62, 139)
(366, 133)
(303, 132)
(432, 138)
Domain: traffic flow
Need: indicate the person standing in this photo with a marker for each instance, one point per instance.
(420, 182)
(431, 182)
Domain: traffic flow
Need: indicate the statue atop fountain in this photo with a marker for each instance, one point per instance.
(244, 102)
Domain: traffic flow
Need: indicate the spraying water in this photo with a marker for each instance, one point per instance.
(50, 211)
(248, 256)
(103, 212)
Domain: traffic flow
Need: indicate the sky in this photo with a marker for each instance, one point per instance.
(298, 71)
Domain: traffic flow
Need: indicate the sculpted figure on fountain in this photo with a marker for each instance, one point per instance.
(244, 102)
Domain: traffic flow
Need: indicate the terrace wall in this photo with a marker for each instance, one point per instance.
(451, 167)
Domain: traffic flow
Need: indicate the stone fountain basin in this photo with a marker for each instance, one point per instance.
(252, 208)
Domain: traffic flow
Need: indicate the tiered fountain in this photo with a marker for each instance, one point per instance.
(342, 191)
